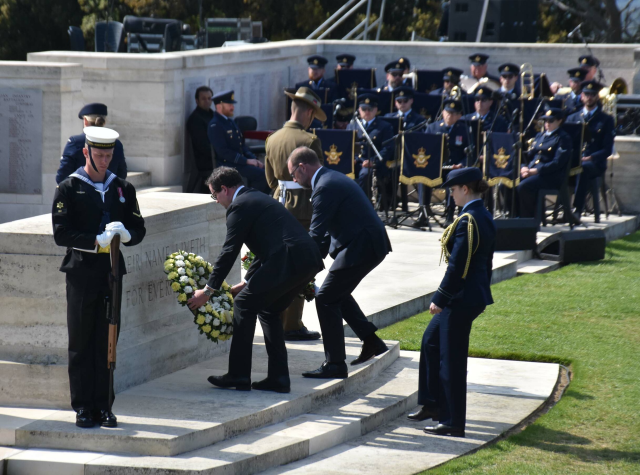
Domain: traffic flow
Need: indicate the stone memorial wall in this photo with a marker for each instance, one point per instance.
(157, 336)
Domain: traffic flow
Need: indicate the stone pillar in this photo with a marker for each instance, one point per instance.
(626, 173)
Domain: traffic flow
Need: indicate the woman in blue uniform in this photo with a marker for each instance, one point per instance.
(464, 293)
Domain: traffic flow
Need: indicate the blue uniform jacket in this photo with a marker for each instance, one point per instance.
(227, 142)
(73, 158)
(603, 132)
(474, 289)
(344, 224)
(405, 82)
(411, 119)
(550, 154)
(571, 104)
(499, 126)
(330, 96)
(458, 140)
(379, 131)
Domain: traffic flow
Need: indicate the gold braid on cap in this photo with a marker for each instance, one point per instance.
(472, 229)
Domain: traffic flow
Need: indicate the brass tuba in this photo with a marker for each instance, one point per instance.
(609, 96)
(527, 82)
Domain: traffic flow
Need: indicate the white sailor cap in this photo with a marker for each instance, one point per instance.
(100, 137)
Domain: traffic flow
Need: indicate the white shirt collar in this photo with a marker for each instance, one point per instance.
(236, 193)
(313, 179)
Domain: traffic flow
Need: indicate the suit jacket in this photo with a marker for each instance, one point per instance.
(281, 245)
(457, 140)
(474, 289)
(319, 87)
(603, 133)
(73, 158)
(79, 215)
(344, 224)
(228, 142)
(278, 147)
(550, 154)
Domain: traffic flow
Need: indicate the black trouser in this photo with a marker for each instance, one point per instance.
(334, 302)
(88, 329)
(442, 383)
(266, 306)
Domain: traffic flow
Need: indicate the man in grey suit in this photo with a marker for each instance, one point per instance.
(344, 225)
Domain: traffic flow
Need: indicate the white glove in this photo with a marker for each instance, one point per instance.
(105, 238)
(117, 227)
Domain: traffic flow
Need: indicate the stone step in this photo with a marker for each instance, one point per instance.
(139, 179)
(537, 266)
(375, 402)
(182, 412)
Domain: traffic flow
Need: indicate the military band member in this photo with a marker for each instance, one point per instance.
(451, 78)
(379, 131)
(229, 146)
(404, 101)
(548, 157)
(305, 106)
(201, 165)
(345, 61)
(461, 297)
(326, 89)
(90, 207)
(92, 115)
(572, 101)
(395, 70)
(591, 65)
(598, 149)
(479, 67)
(484, 111)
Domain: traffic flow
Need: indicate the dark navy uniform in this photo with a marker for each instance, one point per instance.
(572, 102)
(379, 131)
(80, 213)
(326, 89)
(500, 124)
(457, 140)
(231, 151)
(462, 295)
(550, 154)
(399, 66)
(599, 148)
(73, 158)
(409, 118)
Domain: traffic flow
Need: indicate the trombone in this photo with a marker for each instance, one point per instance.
(527, 88)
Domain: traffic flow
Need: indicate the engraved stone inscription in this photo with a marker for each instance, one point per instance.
(20, 141)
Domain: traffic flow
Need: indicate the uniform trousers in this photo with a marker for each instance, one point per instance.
(266, 305)
(590, 171)
(442, 380)
(334, 303)
(528, 192)
(88, 330)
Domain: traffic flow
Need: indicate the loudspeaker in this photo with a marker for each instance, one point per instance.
(517, 234)
(507, 21)
(579, 246)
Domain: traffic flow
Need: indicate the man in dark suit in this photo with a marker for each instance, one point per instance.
(92, 115)
(598, 149)
(286, 260)
(200, 165)
(345, 226)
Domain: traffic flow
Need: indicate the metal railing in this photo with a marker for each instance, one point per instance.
(340, 16)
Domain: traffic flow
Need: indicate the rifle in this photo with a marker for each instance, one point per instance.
(113, 311)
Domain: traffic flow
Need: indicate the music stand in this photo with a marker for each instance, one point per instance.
(335, 144)
(502, 160)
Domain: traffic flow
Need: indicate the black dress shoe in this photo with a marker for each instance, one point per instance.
(441, 429)
(84, 419)
(423, 414)
(274, 385)
(301, 335)
(106, 419)
(329, 371)
(226, 381)
(371, 347)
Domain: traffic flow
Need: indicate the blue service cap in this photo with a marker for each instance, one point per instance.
(395, 66)
(403, 91)
(316, 61)
(95, 108)
(577, 74)
(368, 100)
(346, 59)
(509, 68)
(591, 87)
(553, 113)
(588, 60)
(478, 59)
(453, 106)
(462, 176)
(228, 97)
(451, 74)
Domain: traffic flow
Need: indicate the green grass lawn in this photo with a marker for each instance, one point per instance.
(586, 316)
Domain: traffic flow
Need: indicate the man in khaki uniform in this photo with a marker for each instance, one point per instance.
(305, 107)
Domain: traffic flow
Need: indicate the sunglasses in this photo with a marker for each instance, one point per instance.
(508, 76)
(482, 99)
(396, 75)
(366, 108)
(402, 101)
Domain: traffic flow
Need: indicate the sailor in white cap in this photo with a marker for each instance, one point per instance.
(90, 207)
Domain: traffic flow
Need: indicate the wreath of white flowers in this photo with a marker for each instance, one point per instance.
(188, 273)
